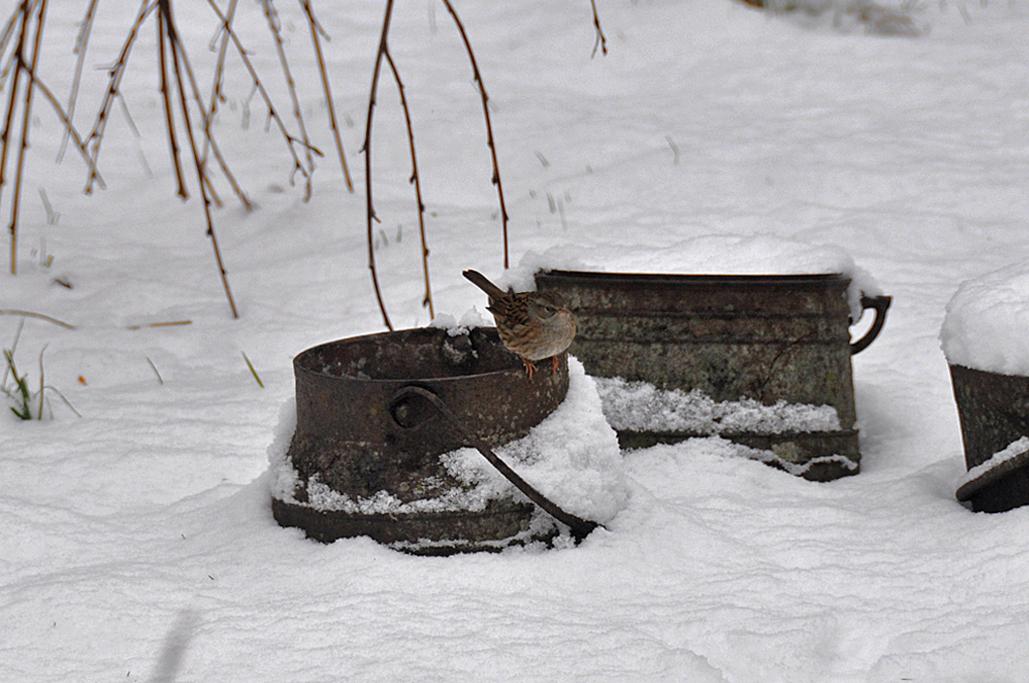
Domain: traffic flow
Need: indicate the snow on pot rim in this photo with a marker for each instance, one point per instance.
(729, 254)
(984, 328)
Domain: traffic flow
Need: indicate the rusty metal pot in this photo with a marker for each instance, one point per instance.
(766, 337)
(994, 413)
(374, 414)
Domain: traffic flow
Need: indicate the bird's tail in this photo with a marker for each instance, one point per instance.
(480, 281)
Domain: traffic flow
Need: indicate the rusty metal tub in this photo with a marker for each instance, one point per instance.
(367, 426)
(994, 413)
(766, 337)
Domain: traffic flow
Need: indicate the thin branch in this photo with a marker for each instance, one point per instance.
(367, 149)
(26, 119)
(316, 28)
(12, 99)
(600, 40)
(489, 126)
(12, 26)
(209, 140)
(273, 24)
(298, 167)
(176, 52)
(417, 182)
(253, 371)
(68, 126)
(169, 116)
(81, 45)
(96, 135)
(37, 316)
(216, 82)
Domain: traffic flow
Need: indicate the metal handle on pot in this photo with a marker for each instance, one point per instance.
(880, 304)
(581, 528)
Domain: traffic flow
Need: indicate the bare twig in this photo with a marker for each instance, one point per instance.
(367, 149)
(169, 116)
(312, 22)
(117, 70)
(416, 181)
(81, 45)
(489, 126)
(273, 25)
(216, 81)
(37, 316)
(12, 98)
(209, 140)
(166, 323)
(68, 126)
(600, 40)
(26, 119)
(176, 53)
(273, 114)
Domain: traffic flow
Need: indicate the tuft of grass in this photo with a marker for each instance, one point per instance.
(19, 394)
(15, 386)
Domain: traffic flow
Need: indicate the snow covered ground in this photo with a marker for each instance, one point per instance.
(137, 541)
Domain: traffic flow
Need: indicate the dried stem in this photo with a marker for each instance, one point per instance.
(26, 119)
(416, 181)
(216, 83)
(367, 149)
(81, 45)
(177, 49)
(489, 126)
(316, 42)
(169, 116)
(12, 98)
(273, 24)
(69, 128)
(96, 135)
(298, 167)
(209, 140)
(600, 40)
(37, 316)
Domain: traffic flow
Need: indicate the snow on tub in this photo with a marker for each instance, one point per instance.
(984, 339)
(722, 325)
(410, 438)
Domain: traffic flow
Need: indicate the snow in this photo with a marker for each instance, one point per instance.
(986, 322)
(137, 541)
(704, 255)
(1015, 448)
(571, 457)
(641, 406)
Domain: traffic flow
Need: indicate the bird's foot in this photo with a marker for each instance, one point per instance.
(555, 364)
(530, 369)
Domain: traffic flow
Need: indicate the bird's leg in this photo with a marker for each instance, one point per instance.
(529, 367)
(555, 363)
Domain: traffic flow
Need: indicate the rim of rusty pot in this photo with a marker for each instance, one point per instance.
(298, 360)
(720, 279)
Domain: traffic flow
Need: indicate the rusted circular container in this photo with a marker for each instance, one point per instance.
(766, 337)
(994, 413)
(356, 436)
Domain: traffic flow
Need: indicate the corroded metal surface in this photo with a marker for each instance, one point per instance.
(994, 412)
(348, 437)
(770, 338)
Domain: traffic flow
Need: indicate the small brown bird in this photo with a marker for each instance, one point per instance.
(534, 325)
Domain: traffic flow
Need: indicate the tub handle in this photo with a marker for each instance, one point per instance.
(399, 409)
(880, 304)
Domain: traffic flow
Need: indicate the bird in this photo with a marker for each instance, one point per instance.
(533, 325)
